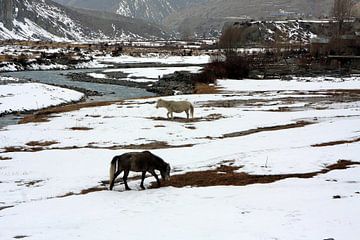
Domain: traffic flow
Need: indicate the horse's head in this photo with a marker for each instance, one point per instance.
(159, 103)
(165, 173)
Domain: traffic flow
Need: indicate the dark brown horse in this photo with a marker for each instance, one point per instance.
(138, 162)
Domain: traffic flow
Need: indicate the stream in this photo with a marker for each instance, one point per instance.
(108, 92)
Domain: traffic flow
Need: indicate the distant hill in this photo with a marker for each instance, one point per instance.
(150, 10)
(200, 18)
(47, 20)
(204, 17)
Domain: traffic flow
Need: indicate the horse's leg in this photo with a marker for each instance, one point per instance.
(126, 174)
(142, 180)
(187, 114)
(172, 115)
(156, 177)
(115, 176)
(168, 114)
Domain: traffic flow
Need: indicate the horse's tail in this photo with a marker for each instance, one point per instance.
(192, 110)
(112, 172)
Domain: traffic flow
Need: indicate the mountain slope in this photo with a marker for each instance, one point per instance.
(204, 17)
(150, 10)
(46, 20)
(199, 18)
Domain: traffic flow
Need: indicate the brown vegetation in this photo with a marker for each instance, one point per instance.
(5, 158)
(298, 124)
(144, 146)
(202, 88)
(41, 144)
(334, 143)
(20, 236)
(150, 146)
(32, 183)
(226, 176)
(84, 191)
(233, 67)
(44, 115)
(80, 128)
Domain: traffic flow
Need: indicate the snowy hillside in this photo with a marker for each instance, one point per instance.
(205, 17)
(44, 19)
(150, 10)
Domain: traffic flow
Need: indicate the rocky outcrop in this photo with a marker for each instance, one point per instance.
(172, 84)
(356, 10)
(7, 13)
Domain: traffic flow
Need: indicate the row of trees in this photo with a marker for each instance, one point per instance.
(341, 11)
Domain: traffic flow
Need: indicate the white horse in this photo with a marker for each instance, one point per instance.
(177, 107)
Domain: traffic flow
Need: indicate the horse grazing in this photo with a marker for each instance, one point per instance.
(177, 107)
(138, 162)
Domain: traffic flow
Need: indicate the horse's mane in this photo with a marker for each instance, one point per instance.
(161, 161)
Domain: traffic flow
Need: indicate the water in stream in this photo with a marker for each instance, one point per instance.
(109, 92)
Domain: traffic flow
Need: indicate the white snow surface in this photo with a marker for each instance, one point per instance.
(32, 96)
(155, 58)
(152, 74)
(293, 208)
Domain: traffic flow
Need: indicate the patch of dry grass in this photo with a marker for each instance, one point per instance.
(83, 192)
(206, 89)
(44, 115)
(267, 129)
(41, 143)
(80, 128)
(5, 158)
(334, 143)
(226, 176)
(20, 236)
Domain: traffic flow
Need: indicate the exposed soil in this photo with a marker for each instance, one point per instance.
(205, 89)
(5, 207)
(263, 129)
(150, 146)
(145, 146)
(298, 124)
(41, 144)
(32, 183)
(314, 101)
(226, 176)
(22, 149)
(44, 115)
(83, 192)
(5, 158)
(80, 128)
(20, 236)
(334, 143)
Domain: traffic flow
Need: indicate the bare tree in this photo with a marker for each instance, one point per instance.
(341, 11)
(230, 38)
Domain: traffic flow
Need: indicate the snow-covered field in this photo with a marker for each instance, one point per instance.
(265, 127)
(147, 74)
(155, 58)
(16, 96)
